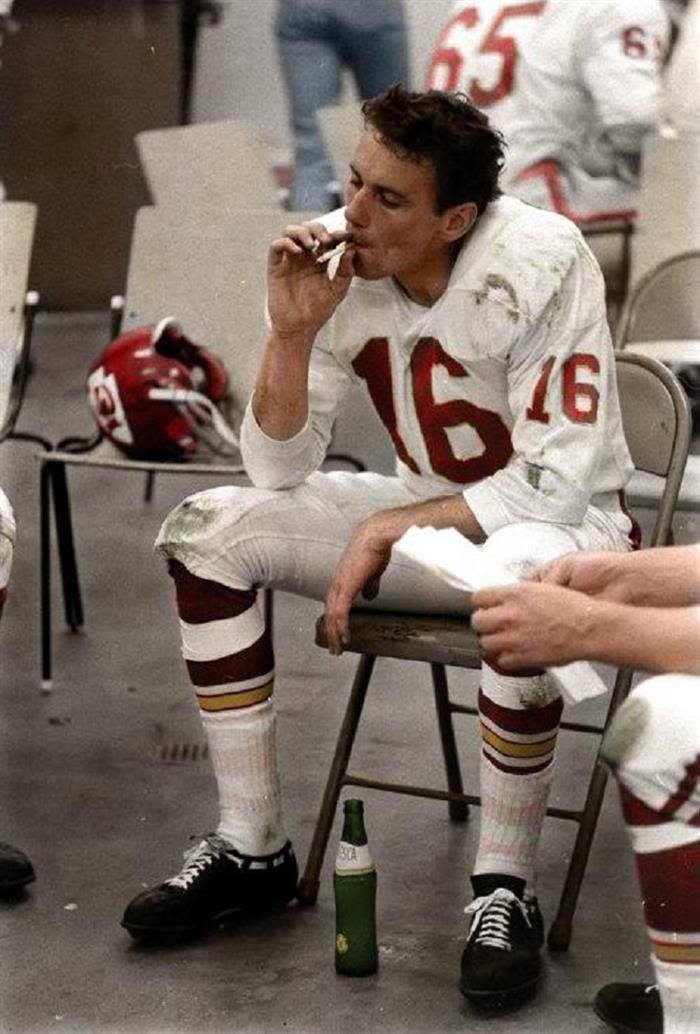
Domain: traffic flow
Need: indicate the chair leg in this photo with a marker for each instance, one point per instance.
(458, 810)
(149, 486)
(45, 572)
(66, 547)
(559, 936)
(309, 883)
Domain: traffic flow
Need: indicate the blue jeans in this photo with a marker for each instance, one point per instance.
(316, 40)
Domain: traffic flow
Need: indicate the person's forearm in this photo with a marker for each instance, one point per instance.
(664, 577)
(664, 639)
(449, 511)
(281, 395)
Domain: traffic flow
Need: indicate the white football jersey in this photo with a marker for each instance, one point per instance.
(574, 82)
(504, 388)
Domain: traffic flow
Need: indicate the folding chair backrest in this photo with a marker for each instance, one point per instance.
(341, 125)
(669, 216)
(665, 304)
(217, 164)
(657, 424)
(17, 222)
(206, 268)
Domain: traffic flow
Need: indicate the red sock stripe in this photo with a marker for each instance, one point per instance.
(528, 721)
(513, 770)
(3, 598)
(669, 881)
(685, 790)
(200, 600)
(246, 664)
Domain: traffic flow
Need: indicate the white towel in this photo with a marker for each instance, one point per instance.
(464, 565)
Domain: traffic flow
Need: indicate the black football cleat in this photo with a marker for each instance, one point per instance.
(215, 882)
(501, 963)
(630, 1008)
(16, 871)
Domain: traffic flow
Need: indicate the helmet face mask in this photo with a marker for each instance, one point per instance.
(155, 395)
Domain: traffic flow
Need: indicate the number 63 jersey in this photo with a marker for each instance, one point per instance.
(504, 388)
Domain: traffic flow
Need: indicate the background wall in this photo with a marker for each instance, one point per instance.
(78, 81)
(237, 73)
(80, 78)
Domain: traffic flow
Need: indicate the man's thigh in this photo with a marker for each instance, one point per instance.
(290, 539)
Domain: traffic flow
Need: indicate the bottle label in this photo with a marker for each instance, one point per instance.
(353, 859)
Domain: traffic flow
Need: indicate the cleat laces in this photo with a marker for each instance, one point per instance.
(491, 923)
(199, 858)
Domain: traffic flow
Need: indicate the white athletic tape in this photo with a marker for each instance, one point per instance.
(215, 639)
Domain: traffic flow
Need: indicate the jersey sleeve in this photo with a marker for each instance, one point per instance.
(271, 463)
(561, 392)
(620, 55)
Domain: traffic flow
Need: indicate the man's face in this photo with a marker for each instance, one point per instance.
(390, 209)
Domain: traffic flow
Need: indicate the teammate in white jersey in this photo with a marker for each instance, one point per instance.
(642, 610)
(574, 86)
(478, 326)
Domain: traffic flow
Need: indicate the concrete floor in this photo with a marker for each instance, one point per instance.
(93, 788)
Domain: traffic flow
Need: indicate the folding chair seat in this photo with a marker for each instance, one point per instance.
(657, 426)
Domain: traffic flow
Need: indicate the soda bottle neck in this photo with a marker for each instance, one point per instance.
(354, 824)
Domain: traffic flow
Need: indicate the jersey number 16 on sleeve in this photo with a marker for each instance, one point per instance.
(579, 398)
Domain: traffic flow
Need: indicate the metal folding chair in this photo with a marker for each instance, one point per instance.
(657, 426)
(661, 319)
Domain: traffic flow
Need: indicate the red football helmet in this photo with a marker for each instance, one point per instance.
(155, 395)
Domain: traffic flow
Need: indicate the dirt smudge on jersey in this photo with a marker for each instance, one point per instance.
(495, 284)
(552, 308)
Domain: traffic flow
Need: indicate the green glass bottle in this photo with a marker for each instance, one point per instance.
(355, 886)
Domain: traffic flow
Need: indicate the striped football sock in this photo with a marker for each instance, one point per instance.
(519, 724)
(231, 666)
(666, 845)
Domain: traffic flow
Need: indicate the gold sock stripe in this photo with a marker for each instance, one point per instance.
(676, 952)
(233, 701)
(511, 749)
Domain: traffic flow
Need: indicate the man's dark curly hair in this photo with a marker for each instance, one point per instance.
(446, 130)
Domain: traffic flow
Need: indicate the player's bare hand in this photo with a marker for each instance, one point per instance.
(531, 625)
(359, 570)
(605, 574)
(301, 296)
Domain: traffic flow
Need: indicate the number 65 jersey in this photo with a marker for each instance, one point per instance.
(503, 389)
